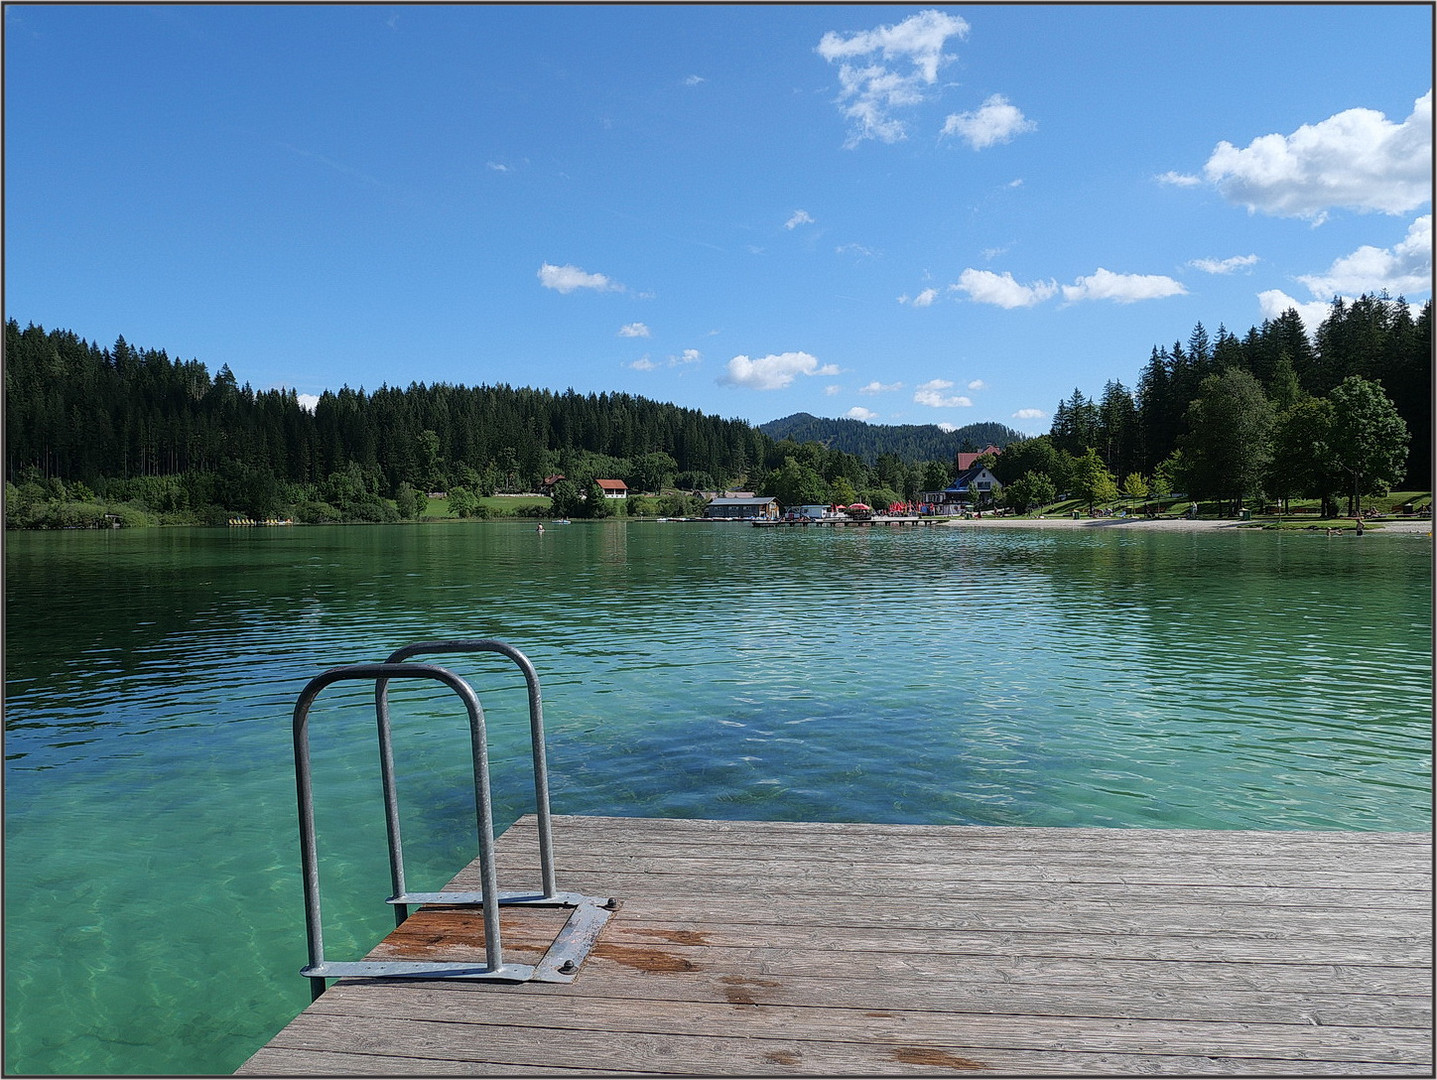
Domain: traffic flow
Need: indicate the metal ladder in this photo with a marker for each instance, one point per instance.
(573, 943)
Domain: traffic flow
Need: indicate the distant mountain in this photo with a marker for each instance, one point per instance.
(911, 442)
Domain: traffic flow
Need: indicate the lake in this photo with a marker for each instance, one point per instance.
(1093, 677)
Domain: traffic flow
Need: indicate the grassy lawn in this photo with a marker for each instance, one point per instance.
(498, 505)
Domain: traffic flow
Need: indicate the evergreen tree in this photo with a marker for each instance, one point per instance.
(1158, 410)
(1075, 424)
(1092, 483)
(1118, 428)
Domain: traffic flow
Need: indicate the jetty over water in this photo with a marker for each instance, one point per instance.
(842, 522)
(788, 948)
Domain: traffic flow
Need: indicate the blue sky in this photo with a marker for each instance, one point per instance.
(903, 214)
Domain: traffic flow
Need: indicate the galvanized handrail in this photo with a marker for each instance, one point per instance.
(386, 762)
(493, 952)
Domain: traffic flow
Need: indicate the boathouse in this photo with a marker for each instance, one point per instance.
(742, 509)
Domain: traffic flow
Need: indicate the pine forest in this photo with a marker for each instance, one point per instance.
(125, 435)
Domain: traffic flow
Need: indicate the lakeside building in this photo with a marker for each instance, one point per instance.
(748, 508)
(972, 487)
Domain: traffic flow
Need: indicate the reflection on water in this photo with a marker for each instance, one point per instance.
(1010, 677)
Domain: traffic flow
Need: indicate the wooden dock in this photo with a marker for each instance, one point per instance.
(839, 523)
(782, 948)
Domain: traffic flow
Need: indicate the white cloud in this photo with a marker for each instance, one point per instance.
(694, 80)
(643, 363)
(1122, 288)
(1224, 266)
(1180, 179)
(800, 217)
(876, 387)
(688, 356)
(854, 249)
(496, 166)
(995, 121)
(1357, 159)
(986, 287)
(858, 412)
(566, 279)
(307, 402)
(923, 299)
(944, 425)
(977, 384)
(931, 394)
(1029, 414)
(634, 329)
(1274, 303)
(1405, 268)
(831, 390)
(773, 372)
(871, 91)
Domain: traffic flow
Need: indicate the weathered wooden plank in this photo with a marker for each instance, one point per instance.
(1062, 975)
(1118, 844)
(1296, 849)
(1147, 910)
(942, 998)
(1104, 851)
(692, 875)
(1084, 842)
(1108, 856)
(836, 946)
(1213, 945)
(768, 833)
(1008, 914)
(303, 1061)
(283, 1061)
(677, 1049)
(978, 894)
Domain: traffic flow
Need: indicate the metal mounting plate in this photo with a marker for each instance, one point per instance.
(560, 963)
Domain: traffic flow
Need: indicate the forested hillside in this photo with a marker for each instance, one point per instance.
(1273, 415)
(134, 424)
(141, 437)
(911, 442)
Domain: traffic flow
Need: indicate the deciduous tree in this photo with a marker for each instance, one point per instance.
(1369, 439)
(1228, 444)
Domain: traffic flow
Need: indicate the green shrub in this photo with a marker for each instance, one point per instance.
(316, 512)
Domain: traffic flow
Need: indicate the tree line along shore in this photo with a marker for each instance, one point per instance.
(128, 436)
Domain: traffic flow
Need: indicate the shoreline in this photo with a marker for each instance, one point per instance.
(1422, 527)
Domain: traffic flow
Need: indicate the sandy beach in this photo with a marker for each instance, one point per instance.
(1419, 526)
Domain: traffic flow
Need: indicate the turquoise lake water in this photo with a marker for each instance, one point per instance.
(1095, 677)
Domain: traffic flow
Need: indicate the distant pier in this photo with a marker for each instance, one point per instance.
(781, 523)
